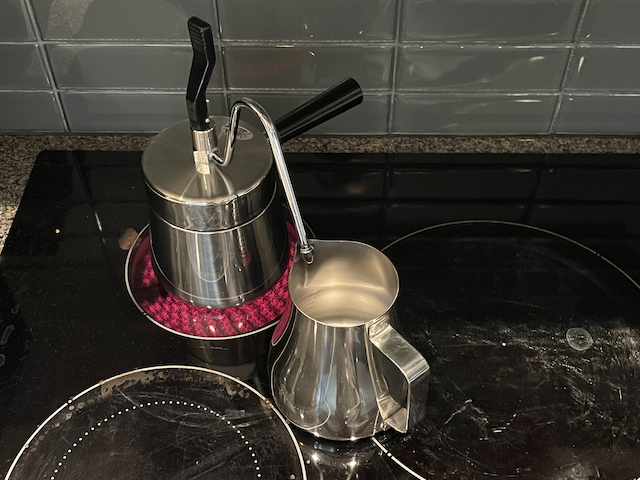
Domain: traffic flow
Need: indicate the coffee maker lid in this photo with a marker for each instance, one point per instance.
(176, 188)
(169, 169)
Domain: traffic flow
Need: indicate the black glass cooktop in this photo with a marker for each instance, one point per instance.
(533, 339)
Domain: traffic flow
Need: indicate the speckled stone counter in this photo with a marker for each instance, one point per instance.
(18, 152)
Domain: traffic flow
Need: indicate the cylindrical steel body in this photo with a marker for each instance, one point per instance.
(321, 380)
(218, 239)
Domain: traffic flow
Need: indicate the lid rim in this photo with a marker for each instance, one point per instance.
(170, 174)
(214, 228)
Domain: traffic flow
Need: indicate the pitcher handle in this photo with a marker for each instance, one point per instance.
(401, 403)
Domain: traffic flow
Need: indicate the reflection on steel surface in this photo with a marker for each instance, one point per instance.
(340, 370)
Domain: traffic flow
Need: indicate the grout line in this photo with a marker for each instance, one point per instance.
(308, 43)
(13, 43)
(114, 91)
(301, 91)
(47, 65)
(556, 109)
(475, 93)
(25, 90)
(227, 43)
(100, 43)
(485, 45)
(330, 44)
(290, 92)
(532, 201)
(392, 91)
(394, 66)
(385, 192)
(296, 91)
(565, 77)
(220, 62)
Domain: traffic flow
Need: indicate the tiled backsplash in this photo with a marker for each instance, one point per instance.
(495, 67)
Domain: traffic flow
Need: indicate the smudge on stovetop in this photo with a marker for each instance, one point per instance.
(161, 423)
(511, 395)
(78, 324)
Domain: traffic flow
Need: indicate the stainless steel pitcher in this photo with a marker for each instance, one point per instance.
(338, 367)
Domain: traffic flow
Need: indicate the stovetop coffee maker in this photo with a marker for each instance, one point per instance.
(218, 229)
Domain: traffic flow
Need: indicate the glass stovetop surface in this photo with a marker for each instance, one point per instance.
(533, 339)
(159, 423)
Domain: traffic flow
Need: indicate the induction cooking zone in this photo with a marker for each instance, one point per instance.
(532, 337)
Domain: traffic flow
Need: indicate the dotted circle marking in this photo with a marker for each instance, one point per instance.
(149, 404)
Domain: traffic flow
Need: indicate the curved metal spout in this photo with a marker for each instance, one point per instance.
(274, 140)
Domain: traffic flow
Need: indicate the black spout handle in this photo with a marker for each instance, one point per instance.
(319, 109)
(204, 59)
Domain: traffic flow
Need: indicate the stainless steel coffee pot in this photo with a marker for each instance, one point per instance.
(217, 226)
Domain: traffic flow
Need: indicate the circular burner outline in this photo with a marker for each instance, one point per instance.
(100, 384)
(374, 439)
(127, 279)
(514, 224)
(105, 420)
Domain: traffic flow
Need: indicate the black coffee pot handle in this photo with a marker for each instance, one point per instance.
(204, 59)
(334, 101)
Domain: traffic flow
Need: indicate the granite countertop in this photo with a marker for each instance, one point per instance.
(18, 152)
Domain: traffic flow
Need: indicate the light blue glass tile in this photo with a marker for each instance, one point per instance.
(513, 21)
(29, 112)
(609, 69)
(160, 67)
(14, 21)
(129, 112)
(22, 68)
(140, 20)
(612, 21)
(307, 67)
(361, 20)
(473, 114)
(470, 68)
(370, 117)
(599, 114)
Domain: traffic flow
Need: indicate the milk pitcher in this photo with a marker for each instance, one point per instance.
(338, 367)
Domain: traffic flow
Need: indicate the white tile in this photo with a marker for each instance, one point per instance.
(611, 21)
(137, 20)
(471, 68)
(472, 114)
(29, 112)
(358, 20)
(14, 21)
(370, 117)
(606, 114)
(22, 68)
(106, 66)
(609, 69)
(129, 112)
(315, 67)
(513, 21)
